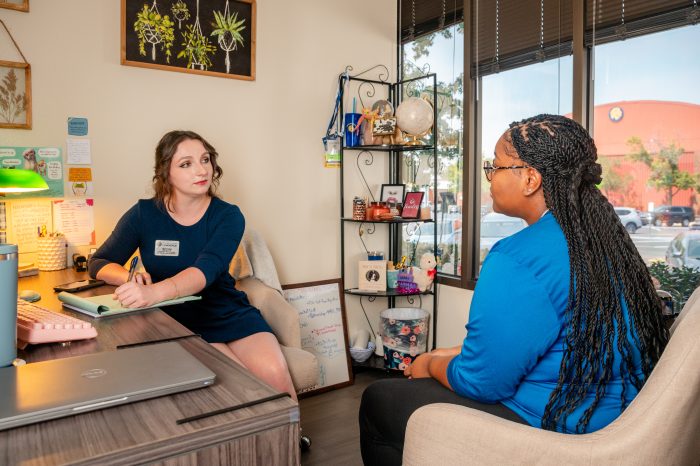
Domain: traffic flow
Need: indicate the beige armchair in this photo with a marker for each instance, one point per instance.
(255, 274)
(661, 425)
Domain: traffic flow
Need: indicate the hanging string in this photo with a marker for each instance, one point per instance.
(496, 65)
(441, 21)
(540, 53)
(13, 41)
(412, 27)
(595, 17)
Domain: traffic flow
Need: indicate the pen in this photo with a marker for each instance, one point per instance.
(132, 268)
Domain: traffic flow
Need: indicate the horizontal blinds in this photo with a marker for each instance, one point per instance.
(517, 28)
(640, 17)
(426, 16)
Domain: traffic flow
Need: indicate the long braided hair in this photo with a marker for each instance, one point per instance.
(605, 266)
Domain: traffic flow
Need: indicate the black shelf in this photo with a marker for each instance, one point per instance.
(385, 294)
(392, 148)
(395, 220)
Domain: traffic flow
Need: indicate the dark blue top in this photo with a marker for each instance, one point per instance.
(516, 330)
(167, 248)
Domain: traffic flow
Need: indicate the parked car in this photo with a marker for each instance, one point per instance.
(645, 217)
(630, 218)
(668, 215)
(495, 227)
(684, 250)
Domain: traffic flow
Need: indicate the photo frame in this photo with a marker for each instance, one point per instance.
(371, 275)
(411, 205)
(321, 308)
(16, 88)
(384, 126)
(19, 5)
(208, 37)
(392, 192)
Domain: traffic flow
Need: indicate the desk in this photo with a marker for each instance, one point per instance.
(145, 431)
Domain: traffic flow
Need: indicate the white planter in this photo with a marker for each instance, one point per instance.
(51, 253)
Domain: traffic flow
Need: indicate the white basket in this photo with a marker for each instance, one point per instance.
(361, 355)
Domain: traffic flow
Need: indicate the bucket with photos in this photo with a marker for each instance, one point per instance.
(404, 336)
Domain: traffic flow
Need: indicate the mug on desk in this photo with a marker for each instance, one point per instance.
(51, 253)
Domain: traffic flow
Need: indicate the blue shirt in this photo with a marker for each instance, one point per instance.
(167, 248)
(517, 327)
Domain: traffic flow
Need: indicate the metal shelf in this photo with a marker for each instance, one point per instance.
(385, 294)
(395, 220)
(392, 148)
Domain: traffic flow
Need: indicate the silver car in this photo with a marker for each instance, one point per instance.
(629, 216)
(684, 250)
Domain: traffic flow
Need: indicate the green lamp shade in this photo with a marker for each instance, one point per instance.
(15, 180)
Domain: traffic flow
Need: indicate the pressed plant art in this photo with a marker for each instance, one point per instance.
(15, 90)
(13, 102)
(228, 30)
(207, 37)
(153, 28)
(180, 12)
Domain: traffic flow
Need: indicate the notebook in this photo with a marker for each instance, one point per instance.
(64, 387)
(106, 305)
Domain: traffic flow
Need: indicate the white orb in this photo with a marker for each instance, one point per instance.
(414, 116)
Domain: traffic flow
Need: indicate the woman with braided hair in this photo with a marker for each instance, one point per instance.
(565, 325)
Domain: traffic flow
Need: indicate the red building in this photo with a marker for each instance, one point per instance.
(656, 124)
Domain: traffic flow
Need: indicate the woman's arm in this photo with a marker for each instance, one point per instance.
(187, 282)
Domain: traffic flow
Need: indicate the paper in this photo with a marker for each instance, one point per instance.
(25, 218)
(105, 305)
(77, 126)
(80, 174)
(75, 219)
(46, 161)
(78, 151)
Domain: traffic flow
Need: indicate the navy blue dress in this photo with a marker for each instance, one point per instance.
(167, 248)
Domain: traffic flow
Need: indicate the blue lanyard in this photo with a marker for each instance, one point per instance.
(334, 121)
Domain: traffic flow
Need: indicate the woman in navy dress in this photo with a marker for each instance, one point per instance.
(186, 237)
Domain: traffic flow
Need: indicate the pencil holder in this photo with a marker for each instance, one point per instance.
(51, 253)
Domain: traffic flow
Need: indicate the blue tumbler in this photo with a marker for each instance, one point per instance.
(352, 129)
(8, 304)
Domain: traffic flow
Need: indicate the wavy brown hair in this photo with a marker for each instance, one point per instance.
(605, 268)
(165, 150)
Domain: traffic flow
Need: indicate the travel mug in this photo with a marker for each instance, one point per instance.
(352, 131)
(8, 304)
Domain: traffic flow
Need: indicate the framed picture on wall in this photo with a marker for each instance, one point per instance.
(411, 204)
(16, 92)
(392, 192)
(210, 37)
(19, 5)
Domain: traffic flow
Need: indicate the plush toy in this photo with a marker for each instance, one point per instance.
(424, 275)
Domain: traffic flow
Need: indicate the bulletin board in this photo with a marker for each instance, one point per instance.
(321, 307)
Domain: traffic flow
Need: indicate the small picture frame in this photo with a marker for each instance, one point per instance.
(19, 5)
(16, 87)
(372, 276)
(392, 192)
(384, 126)
(411, 205)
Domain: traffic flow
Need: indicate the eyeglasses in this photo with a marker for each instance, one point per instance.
(490, 168)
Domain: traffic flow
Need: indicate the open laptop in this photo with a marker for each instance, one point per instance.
(64, 387)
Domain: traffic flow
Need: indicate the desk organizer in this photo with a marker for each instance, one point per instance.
(51, 253)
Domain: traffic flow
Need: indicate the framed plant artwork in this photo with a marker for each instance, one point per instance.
(392, 192)
(15, 95)
(411, 204)
(19, 5)
(210, 37)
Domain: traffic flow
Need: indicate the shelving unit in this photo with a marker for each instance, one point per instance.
(366, 90)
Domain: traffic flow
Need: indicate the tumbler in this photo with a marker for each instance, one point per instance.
(8, 304)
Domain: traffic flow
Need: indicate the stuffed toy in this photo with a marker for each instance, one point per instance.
(424, 275)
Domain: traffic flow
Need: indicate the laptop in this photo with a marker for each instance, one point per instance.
(64, 387)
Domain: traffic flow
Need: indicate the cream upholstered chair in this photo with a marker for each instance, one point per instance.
(255, 274)
(660, 427)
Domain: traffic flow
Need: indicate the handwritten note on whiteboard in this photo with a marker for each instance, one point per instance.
(323, 331)
(75, 219)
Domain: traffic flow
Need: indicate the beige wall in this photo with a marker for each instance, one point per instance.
(267, 131)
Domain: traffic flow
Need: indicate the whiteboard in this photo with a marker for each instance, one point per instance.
(323, 329)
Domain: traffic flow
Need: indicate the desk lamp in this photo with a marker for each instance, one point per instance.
(12, 181)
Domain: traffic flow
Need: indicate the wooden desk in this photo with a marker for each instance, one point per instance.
(145, 431)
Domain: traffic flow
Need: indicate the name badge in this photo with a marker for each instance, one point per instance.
(167, 248)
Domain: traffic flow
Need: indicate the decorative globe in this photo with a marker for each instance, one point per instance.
(415, 117)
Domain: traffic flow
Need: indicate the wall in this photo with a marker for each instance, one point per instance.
(267, 131)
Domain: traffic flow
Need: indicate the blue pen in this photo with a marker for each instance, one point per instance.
(132, 268)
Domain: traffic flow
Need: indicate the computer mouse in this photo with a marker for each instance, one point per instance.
(29, 295)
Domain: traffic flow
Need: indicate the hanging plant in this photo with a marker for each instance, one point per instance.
(228, 31)
(12, 102)
(180, 12)
(196, 48)
(153, 28)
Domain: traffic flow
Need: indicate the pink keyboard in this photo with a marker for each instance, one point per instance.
(36, 324)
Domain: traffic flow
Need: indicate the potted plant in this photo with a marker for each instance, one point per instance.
(153, 28)
(680, 282)
(228, 31)
(180, 12)
(196, 48)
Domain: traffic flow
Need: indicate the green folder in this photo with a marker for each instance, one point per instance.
(106, 305)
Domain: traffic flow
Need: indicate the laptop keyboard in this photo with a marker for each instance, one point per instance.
(36, 324)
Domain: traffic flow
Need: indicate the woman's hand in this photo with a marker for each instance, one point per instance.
(419, 369)
(136, 294)
(454, 351)
(144, 278)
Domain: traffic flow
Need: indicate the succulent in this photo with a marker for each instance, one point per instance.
(228, 30)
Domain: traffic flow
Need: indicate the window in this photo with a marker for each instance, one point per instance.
(646, 120)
